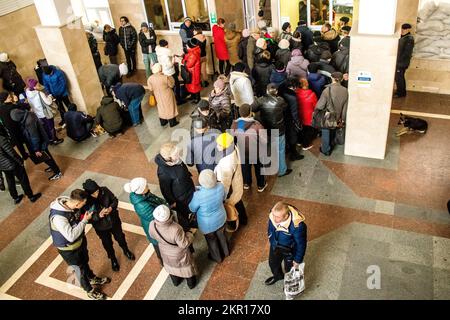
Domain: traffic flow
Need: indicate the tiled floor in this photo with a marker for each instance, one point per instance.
(361, 213)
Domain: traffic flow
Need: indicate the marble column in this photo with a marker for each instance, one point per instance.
(64, 43)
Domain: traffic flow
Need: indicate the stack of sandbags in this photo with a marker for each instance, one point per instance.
(433, 32)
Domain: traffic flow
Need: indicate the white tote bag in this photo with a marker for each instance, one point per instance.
(294, 282)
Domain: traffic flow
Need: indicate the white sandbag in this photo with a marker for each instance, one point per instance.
(432, 33)
(444, 56)
(424, 43)
(427, 10)
(444, 7)
(430, 49)
(437, 15)
(441, 44)
(446, 51)
(429, 25)
(424, 55)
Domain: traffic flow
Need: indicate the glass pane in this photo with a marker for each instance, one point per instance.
(198, 11)
(318, 15)
(175, 10)
(232, 12)
(156, 14)
(265, 7)
(342, 8)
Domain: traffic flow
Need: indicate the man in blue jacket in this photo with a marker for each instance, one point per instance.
(55, 84)
(287, 237)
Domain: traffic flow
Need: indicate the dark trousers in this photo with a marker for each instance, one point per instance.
(227, 68)
(158, 254)
(79, 259)
(171, 122)
(247, 173)
(49, 126)
(130, 55)
(400, 81)
(60, 102)
(113, 59)
(191, 282)
(52, 163)
(20, 173)
(275, 261)
(177, 89)
(19, 145)
(106, 238)
(183, 212)
(217, 244)
(242, 213)
(307, 136)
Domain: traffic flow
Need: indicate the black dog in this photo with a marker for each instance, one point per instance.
(412, 124)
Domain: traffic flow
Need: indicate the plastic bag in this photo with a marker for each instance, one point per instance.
(294, 282)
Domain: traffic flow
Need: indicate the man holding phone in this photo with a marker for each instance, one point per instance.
(67, 231)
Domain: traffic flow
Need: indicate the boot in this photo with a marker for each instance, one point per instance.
(129, 255)
(115, 264)
(2, 183)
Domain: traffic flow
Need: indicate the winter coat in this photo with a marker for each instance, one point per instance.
(165, 58)
(109, 75)
(144, 205)
(307, 101)
(147, 44)
(241, 87)
(314, 52)
(297, 67)
(192, 63)
(128, 37)
(201, 150)
(278, 77)
(285, 35)
(12, 80)
(203, 41)
(293, 236)
(341, 60)
(129, 91)
(218, 34)
(93, 45)
(111, 42)
(105, 199)
(291, 117)
(109, 116)
(261, 74)
(32, 129)
(228, 171)
(307, 37)
(186, 33)
(339, 95)
(207, 204)
(242, 50)
(174, 245)
(220, 103)
(12, 126)
(232, 40)
(325, 68)
(283, 55)
(257, 55)
(211, 119)
(55, 83)
(175, 181)
(332, 38)
(317, 83)
(248, 133)
(405, 50)
(271, 112)
(76, 124)
(344, 42)
(296, 44)
(251, 46)
(162, 87)
(34, 99)
(9, 159)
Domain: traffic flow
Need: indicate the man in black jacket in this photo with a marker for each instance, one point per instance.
(405, 50)
(147, 40)
(271, 110)
(307, 35)
(12, 165)
(106, 220)
(12, 80)
(128, 40)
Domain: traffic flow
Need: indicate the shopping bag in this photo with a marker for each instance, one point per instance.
(232, 218)
(340, 136)
(152, 101)
(294, 282)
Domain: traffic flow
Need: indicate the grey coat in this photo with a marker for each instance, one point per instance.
(339, 95)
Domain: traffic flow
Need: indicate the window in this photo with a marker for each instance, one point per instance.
(94, 13)
(232, 12)
(157, 14)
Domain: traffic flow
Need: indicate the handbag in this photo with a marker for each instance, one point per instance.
(232, 217)
(49, 110)
(186, 75)
(325, 118)
(294, 281)
(152, 100)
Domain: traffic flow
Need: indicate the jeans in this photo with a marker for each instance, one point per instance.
(21, 175)
(149, 60)
(247, 174)
(52, 163)
(49, 126)
(400, 81)
(327, 140)
(135, 110)
(282, 167)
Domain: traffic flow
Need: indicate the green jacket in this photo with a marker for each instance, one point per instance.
(144, 204)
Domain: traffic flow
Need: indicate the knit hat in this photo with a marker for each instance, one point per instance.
(284, 44)
(157, 68)
(261, 43)
(220, 84)
(137, 185)
(161, 213)
(186, 19)
(246, 33)
(90, 186)
(285, 26)
(31, 83)
(193, 43)
(225, 140)
(144, 24)
(245, 110)
(207, 179)
(123, 69)
(4, 57)
(3, 96)
(296, 53)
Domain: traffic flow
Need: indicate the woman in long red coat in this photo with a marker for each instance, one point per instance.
(192, 62)
(307, 101)
(218, 32)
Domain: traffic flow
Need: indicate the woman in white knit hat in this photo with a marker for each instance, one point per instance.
(207, 204)
(174, 245)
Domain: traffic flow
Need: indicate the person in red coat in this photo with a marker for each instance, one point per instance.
(307, 101)
(218, 32)
(192, 62)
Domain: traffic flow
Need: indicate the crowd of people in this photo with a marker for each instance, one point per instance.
(271, 90)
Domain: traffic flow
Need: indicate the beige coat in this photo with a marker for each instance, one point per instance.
(229, 172)
(232, 39)
(177, 258)
(161, 86)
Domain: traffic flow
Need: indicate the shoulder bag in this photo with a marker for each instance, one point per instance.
(49, 110)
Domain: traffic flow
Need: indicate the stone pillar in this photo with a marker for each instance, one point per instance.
(64, 43)
(372, 70)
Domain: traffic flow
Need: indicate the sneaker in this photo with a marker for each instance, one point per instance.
(94, 134)
(35, 197)
(246, 187)
(57, 141)
(261, 189)
(56, 176)
(96, 295)
(307, 148)
(48, 169)
(288, 172)
(99, 281)
(61, 123)
(63, 126)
